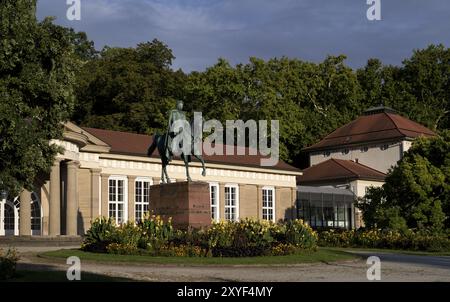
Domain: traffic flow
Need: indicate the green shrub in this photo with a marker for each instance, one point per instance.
(248, 237)
(283, 249)
(245, 238)
(8, 262)
(122, 249)
(300, 235)
(155, 233)
(128, 234)
(183, 251)
(191, 238)
(100, 235)
(374, 238)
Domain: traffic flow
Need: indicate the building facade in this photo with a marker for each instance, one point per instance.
(108, 173)
(358, 155)
(376, 139)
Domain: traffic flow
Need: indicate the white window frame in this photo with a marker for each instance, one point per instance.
(267, 188)
(217, 205)
(141, 202)
(125, 197)
(236, 206)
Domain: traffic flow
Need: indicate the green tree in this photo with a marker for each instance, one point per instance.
(83, 47)
(427, 74)
(382, 85)
(128, 89)
(36, 76)
(416, 191)
(310, 100)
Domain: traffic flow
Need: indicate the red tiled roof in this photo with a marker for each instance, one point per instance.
(123, 142)
(137, 144)
(381, 126)
(339, 169)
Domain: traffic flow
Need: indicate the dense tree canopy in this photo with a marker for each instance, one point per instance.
(308, 99)
(83, 47)
(128, 89)
(132, 88)
(417, 191)
(427, 74)
(37, 65)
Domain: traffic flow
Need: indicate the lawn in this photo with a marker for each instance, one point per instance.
(321, 255)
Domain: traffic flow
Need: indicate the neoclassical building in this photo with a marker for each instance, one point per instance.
(107, 173)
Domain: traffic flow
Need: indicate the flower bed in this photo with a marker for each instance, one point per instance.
(375, 238)
(245, 238)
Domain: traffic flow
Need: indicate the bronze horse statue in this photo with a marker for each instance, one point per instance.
(160, 142)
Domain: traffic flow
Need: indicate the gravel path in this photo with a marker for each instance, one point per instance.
(394, 267)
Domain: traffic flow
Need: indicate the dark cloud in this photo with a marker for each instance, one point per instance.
(200, 31)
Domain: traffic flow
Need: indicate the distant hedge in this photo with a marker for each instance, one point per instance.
(377, 238)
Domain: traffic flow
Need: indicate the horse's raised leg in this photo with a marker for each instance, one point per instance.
(203, 164)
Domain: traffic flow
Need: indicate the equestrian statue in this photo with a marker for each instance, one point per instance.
(164, 144)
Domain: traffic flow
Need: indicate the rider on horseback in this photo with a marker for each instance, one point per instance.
(165, 143)
(176, 117)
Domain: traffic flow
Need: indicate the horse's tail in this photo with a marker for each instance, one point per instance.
(153, 146)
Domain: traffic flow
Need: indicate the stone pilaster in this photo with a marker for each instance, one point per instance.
(105, 192)
(72, 199)
(294, 203)
(131, 198)
(95, 193)
(55, 200)
(279, 211)
(222, 201)
(259, 201)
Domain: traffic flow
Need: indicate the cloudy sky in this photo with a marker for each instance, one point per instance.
(200, 31)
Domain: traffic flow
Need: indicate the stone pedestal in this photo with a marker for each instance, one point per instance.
(188, 203)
